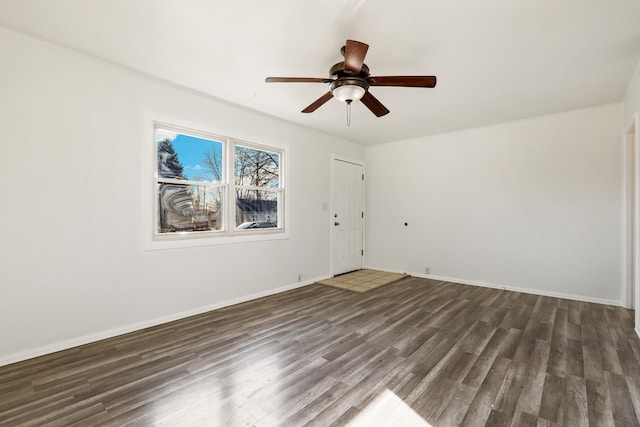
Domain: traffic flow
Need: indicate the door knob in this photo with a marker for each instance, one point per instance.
(336, 224)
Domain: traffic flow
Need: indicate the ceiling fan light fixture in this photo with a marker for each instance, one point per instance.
(348, 92)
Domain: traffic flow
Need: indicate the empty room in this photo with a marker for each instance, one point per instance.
(322, 213)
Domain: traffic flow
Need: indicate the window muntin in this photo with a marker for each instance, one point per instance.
(212, 185)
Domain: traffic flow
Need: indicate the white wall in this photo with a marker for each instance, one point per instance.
(72, 264)
(534, 204)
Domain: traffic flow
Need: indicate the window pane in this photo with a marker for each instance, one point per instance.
(188, 157)
(189, 208)
(256, 208)
(258, 168)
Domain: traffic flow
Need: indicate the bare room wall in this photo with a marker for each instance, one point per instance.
(532, 204)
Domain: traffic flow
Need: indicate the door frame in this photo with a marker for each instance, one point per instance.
(631, 271)
(334, 158)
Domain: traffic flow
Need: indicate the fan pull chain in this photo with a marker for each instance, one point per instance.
(349, 113)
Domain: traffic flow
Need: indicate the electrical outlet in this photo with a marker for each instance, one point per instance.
(426, 270)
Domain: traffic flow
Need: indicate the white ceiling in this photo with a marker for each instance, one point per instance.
(496, 60)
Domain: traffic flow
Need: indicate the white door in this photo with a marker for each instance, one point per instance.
(347, 216)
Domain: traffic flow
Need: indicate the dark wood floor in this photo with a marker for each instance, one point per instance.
(442, 353)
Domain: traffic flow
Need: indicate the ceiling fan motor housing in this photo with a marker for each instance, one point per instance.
(339, 71)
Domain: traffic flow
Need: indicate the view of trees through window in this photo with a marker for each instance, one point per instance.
(194, 192)
(257, 181)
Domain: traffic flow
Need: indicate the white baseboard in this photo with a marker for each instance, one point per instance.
(507, 288)
(369, 267)
(86, 339)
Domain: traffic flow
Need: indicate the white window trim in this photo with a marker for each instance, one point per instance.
(152, 240)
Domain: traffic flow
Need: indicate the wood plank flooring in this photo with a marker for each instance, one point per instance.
(416, 352)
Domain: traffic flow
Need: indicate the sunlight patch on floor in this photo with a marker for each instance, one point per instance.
(387, 409)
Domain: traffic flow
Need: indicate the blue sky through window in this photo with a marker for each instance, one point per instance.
(192, 152)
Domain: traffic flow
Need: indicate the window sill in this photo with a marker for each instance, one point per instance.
(190, 240)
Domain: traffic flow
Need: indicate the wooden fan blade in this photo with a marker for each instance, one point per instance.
(374, 105)
(354, 53)
(407, 81)
(297, 80)
(318, 102)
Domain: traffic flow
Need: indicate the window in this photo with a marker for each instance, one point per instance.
(211, 185)
(257, 187)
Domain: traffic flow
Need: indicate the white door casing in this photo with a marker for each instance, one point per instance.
(347, 216)
(631, 294)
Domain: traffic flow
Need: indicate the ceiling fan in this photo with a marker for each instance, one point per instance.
(350, 81)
